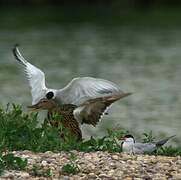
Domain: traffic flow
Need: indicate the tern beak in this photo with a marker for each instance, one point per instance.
(122, 138)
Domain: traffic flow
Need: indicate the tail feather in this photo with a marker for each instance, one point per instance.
(18, 55)
(162, 142)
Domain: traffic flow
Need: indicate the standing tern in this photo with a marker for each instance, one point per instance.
(130, 146)
(76, 92)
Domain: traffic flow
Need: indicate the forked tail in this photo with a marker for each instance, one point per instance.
(162, 142)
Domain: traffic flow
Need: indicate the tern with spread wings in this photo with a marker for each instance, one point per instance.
(77, 92)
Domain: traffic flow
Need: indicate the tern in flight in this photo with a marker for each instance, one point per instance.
(76, 92)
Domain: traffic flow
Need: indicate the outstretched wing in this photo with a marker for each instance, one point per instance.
(35, 76)
(81, 89)
(92, 110)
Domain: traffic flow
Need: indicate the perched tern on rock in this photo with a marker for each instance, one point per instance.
(130, 146)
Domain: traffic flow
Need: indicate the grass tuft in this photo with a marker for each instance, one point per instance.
(71, 167)
(9, 161)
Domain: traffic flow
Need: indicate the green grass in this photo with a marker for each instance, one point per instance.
(18, 131)
(71, 167)
(9, 161)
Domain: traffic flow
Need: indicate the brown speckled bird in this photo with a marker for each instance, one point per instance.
(66, 116)
(89, 112)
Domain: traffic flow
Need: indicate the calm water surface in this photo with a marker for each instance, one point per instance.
(145, 61)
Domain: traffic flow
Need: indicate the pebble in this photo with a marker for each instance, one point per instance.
(99, 165)
(115, 157)
(44, 163)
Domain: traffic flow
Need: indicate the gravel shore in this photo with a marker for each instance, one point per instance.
(99, 165)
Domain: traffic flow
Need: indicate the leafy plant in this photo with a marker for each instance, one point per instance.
(71, 167)
(169, 151)
(18, 131)
(148, 137)
(9, 161)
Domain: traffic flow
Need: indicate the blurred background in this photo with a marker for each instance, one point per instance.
(134, 43)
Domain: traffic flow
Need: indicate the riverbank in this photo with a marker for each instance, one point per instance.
(95, 165)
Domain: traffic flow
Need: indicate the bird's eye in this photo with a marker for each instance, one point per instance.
(49, 95)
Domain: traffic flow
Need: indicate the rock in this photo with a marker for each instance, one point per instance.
(8, 175)
(115, 157)
(102, 176)
(128, 178)
(99, 165)
(24, 175)
(44, 163)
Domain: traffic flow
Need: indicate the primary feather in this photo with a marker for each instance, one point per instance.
(91, 111)
(35, 76)
(76, 92)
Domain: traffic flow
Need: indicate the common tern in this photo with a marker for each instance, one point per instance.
(89, 112)
(130, 146)
(78, 91)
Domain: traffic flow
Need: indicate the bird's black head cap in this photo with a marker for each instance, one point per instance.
(129, 136)
(49, 95)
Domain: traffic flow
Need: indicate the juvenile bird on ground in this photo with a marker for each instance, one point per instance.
(91, 112)
(78, 91)
(130, 146)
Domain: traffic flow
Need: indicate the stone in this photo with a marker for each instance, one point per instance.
(99, 165)
(44, 163)
(115, 157)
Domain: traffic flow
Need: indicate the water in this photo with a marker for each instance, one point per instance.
(142, 60)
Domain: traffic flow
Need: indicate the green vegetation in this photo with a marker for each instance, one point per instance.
(148, 137)
(9, 161)
(18, 131)
(71, 167)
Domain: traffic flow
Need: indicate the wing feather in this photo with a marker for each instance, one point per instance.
(35, 77)
(82, 89)
(141, 148)
(91, 111)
